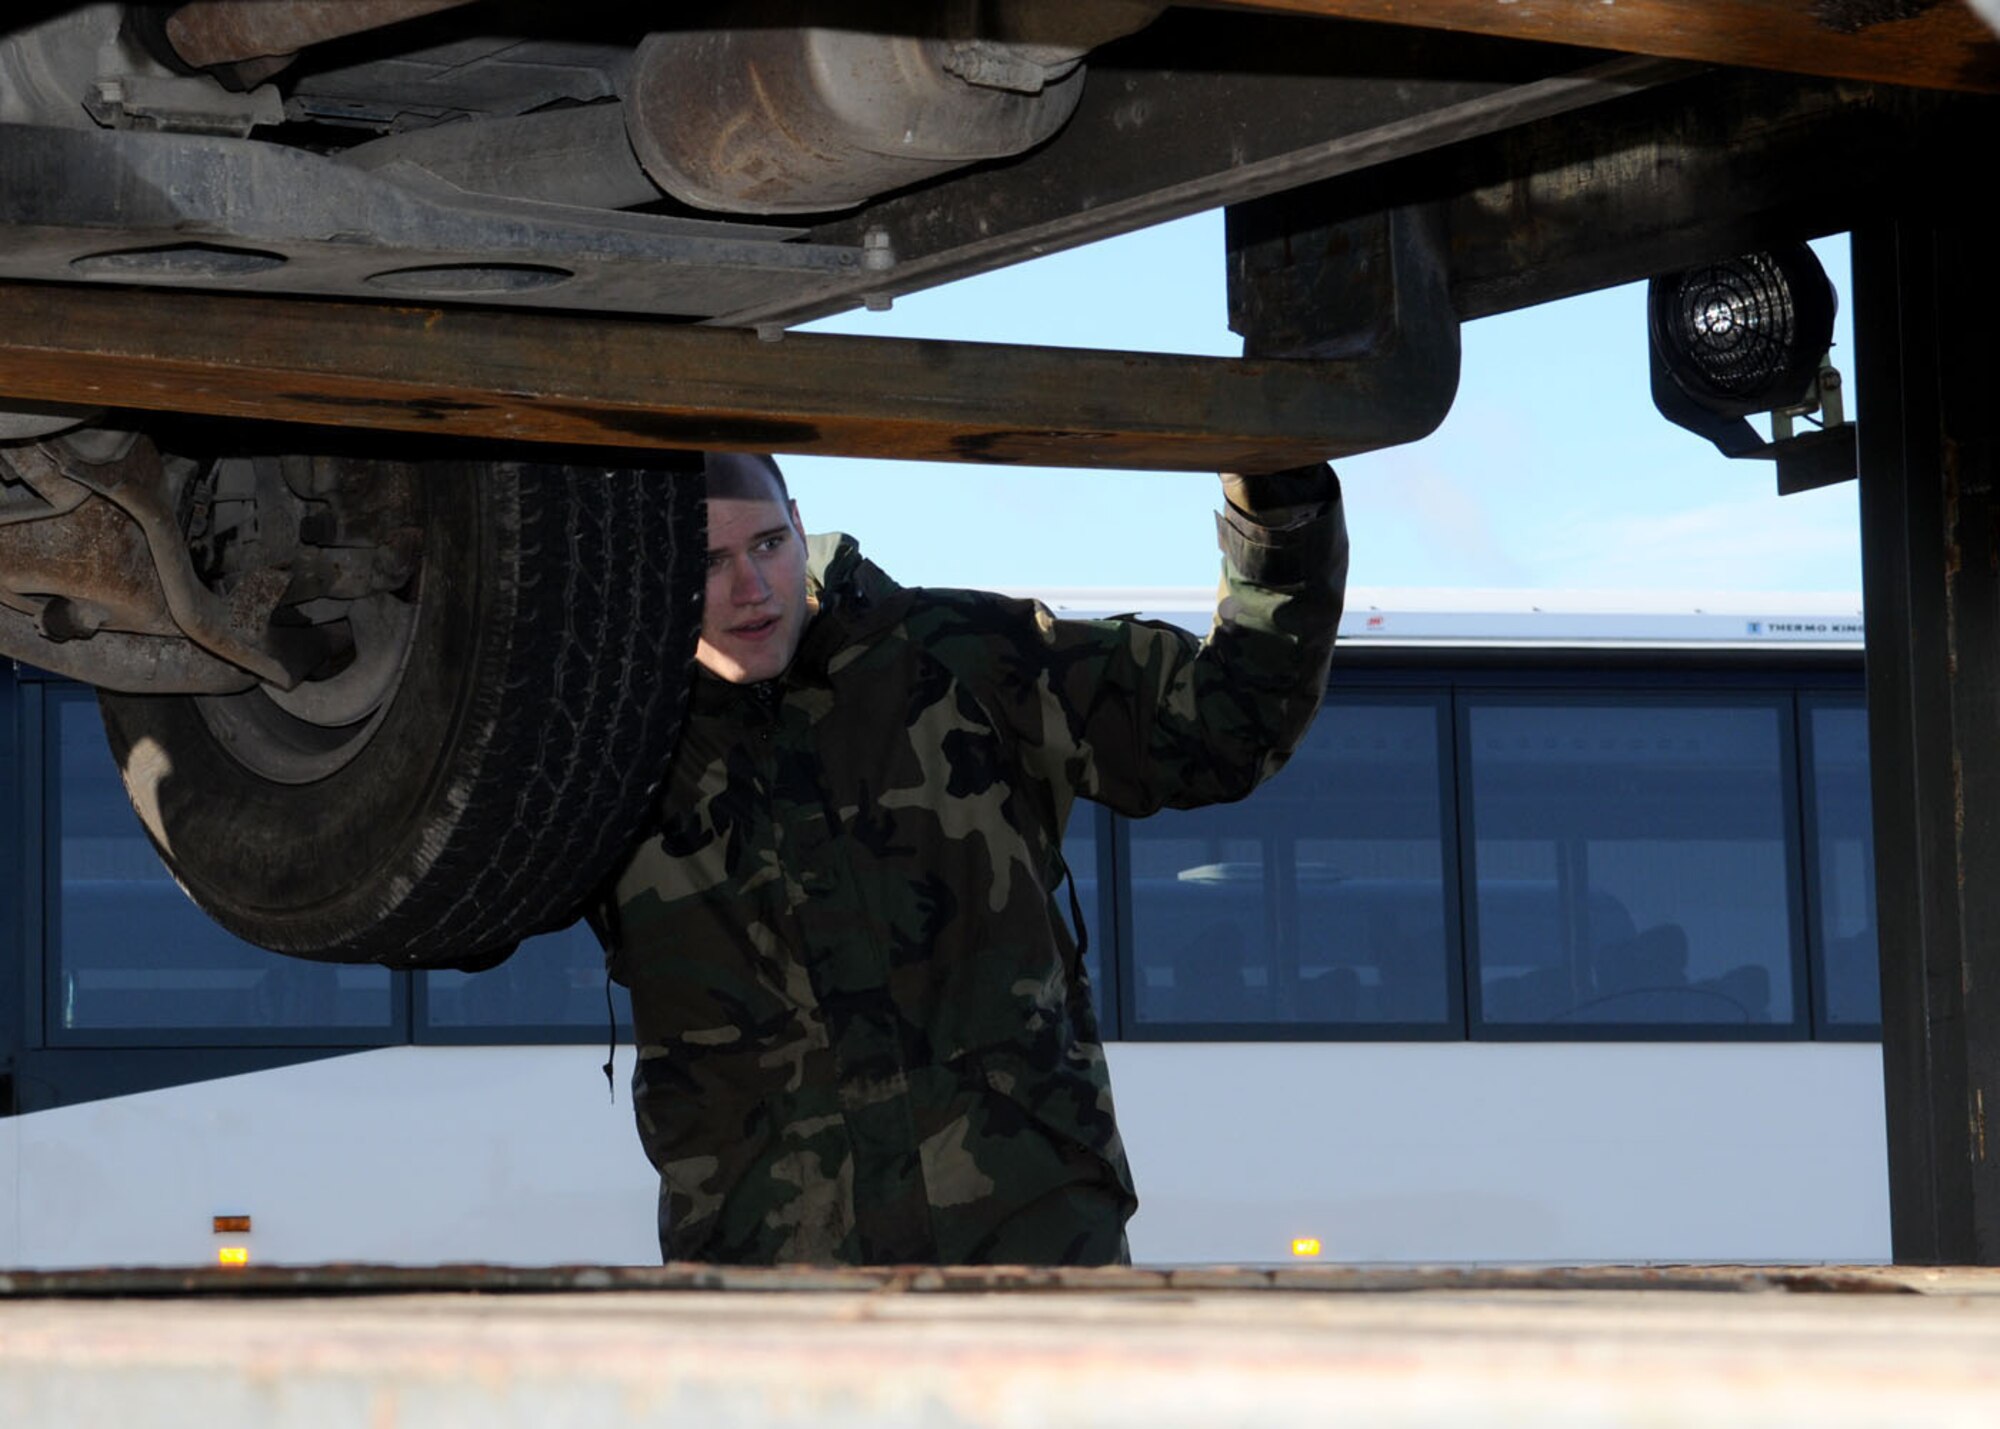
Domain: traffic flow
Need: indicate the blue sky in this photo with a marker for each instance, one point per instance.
(1553, 470)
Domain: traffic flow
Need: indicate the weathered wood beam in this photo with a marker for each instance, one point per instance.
(615, 382)
(1941, 46)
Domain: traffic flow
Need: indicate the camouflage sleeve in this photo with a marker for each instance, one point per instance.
(1139, 715)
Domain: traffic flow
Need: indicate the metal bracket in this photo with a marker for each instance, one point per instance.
(1823, 456)
(230, 642)
(237, 628)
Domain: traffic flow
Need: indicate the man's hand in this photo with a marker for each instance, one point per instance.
(1280, 498)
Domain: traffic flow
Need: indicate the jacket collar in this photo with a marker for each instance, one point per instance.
(853, 601)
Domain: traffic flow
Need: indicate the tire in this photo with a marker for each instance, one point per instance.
(517, 759)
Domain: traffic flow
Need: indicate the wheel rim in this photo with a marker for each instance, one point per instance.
(309, 733)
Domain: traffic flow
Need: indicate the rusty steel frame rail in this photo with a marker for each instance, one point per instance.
(612, 382)
(360, 1279)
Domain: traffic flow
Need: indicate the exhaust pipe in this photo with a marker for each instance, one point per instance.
(811, 108)
(209, 34)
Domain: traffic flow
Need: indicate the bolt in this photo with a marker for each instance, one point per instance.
(389, 570)
(878, 253)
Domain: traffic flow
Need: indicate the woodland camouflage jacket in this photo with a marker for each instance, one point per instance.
(864, 1032)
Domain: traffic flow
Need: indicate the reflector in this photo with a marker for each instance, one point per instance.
(1747, 334)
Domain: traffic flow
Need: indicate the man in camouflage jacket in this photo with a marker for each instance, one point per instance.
(864, 1031)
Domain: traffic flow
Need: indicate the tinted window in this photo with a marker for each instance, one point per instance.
(129, 954)
(13, 923)
(556, 981)
(554, 985)
(1320, 899)
(1080, 852)
(1844, 847)
(1632, 863)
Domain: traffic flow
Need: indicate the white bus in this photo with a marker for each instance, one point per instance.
(1555, 942)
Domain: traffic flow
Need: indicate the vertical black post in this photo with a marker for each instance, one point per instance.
(1927, 298)
(13, 873)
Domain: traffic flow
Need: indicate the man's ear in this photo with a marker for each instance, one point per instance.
(797, 525)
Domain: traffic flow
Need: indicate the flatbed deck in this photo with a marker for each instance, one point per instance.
(696, 1346)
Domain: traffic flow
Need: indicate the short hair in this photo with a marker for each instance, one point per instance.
(743, 476)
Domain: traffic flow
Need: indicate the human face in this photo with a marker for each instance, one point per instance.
(755, 609)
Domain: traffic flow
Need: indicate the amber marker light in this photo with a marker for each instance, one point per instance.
(1305, 1247)
(232, 1225)
(234, 1256)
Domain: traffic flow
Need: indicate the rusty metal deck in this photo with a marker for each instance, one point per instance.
(699, 1346)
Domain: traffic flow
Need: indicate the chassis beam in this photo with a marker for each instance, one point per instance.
(613, 382)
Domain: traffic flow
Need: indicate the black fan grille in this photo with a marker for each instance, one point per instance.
(1736, 324)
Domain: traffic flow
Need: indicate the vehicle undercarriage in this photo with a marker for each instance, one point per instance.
(350, 353)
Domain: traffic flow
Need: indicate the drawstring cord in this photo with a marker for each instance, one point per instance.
(601, 913)
(611, 1032)
(1075, 916)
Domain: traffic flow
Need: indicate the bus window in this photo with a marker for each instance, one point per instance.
(553, 988)
(1632, 864)
(1081, 849)
(12, 875)
(1319, 901)
(132, 961)
(1844, 869)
